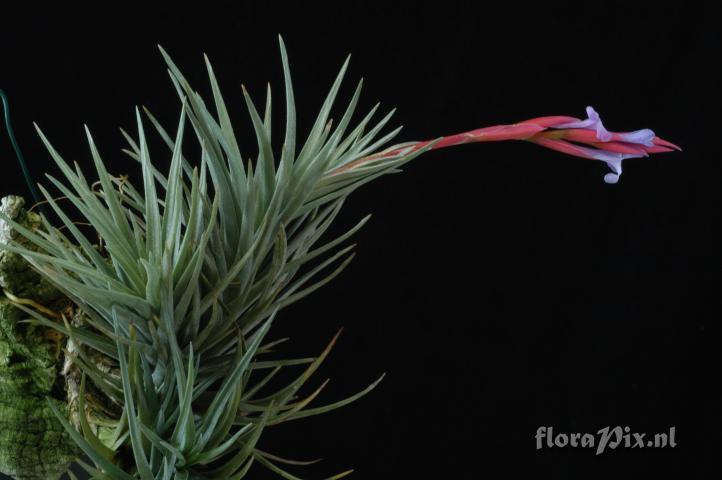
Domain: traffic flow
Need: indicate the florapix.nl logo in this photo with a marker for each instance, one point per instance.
(605, 438)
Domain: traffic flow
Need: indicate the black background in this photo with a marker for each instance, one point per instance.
(502, 287)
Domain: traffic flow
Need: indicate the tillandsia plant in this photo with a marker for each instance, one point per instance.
(143, 336)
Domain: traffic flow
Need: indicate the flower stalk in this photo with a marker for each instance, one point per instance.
(564, 134)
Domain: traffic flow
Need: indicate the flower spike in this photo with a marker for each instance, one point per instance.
(586, 138)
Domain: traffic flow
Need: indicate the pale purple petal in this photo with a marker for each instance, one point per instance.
(612, 159)
(593, 122)
(614, 162)
(642, 137)
(613, 176)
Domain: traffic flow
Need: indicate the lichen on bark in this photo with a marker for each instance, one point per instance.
(33, 443)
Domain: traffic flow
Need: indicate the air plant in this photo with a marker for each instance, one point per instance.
(158, 332)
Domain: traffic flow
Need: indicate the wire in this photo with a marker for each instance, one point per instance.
(16, 147)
